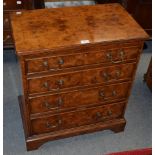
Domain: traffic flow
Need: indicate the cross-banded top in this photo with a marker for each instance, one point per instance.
(70, 26)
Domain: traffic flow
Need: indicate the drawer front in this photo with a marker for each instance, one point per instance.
(7, 37)
(74, 60)
(81, 78)
(77, 118)
(75, 99)
(13, 4)
(6, 21)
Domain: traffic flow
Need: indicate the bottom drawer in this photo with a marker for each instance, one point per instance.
(7, 38)
(77, 118)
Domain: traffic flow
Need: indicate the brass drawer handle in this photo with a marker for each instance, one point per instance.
(121, 54)
(7, 37)
(46, 85)
(48, 106)
(114, 93)
(102, 95)
(106, 76)
(60, 82)
(99, 116)
(60, 101)
(60, 61)
(45, 63)
(49, 125)
(118, 74)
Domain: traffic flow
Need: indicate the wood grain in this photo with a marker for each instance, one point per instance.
(80, 78)
(79, 98)
(80, 117)
(54, 63)
(71, 88)
(72, 25)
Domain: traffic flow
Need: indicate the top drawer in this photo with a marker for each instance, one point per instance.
(13, 4)
(80, 59)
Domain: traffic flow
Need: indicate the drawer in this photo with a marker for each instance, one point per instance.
(6, 21)
(81, 78)
(73, 60)
(75, 119)
(7, 37)
(13, 4)
(79, 98)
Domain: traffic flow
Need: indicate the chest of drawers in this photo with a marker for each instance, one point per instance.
(78, 65)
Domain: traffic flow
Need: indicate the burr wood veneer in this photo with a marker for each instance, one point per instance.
(78, 65)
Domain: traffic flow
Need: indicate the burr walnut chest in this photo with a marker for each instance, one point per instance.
(78, 65)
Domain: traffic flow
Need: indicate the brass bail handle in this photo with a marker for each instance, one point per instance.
(102, 95)
(100, 116)
(121, 54)
(45, 63)
(46, 85)
(59, 102)
(60, 82)
(48, 105)
(60, 62)
(106, 76)
(49, 125)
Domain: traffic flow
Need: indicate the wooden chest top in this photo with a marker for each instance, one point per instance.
(72, 26)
